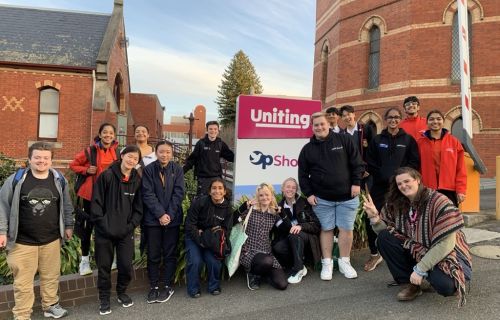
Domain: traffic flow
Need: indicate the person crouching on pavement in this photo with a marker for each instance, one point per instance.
(208, 223)
(116, 211)
(299, 231)
(256, 254)
(420, 236)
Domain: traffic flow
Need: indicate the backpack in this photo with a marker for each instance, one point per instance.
(92, 159)
(20, 172)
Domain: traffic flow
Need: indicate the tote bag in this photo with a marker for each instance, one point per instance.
(237, 238)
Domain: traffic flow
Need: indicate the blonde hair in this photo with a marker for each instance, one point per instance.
(273, 206)
(292, 180)
(316, 115)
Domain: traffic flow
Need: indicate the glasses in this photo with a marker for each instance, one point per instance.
(393, 118)
(411, 104)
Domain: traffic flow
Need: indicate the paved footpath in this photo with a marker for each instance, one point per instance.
(367, 297)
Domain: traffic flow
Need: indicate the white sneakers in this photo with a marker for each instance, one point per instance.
(326, 269)
(298, 276)
(85, 266)
(346, 269)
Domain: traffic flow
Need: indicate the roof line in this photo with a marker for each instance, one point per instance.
(47, 66)
(56, 10)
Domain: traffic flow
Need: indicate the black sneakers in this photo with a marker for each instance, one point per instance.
(125, 300)
(165, 294)
(153, 295)
(253, 281)
(104, 308)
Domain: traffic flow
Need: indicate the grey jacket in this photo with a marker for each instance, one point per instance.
(9, 207)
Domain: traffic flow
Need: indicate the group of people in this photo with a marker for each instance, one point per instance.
(412, 173)
(414, 178)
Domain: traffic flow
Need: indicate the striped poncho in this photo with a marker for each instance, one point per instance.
(437, 217)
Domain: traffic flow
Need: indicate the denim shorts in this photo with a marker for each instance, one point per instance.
(336, 213)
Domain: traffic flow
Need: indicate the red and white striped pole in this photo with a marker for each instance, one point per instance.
(463, 29)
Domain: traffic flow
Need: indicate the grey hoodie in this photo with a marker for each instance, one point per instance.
(9, 207)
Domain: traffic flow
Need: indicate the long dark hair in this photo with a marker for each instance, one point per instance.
(398, 203)
(218, 179)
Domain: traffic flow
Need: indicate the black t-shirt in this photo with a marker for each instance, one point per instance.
(38, 211)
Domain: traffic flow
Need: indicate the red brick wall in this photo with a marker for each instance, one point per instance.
(19, 127)
(415, 60)
(146, 109)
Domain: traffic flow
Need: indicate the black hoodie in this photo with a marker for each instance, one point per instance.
(116, 204)
(328, 168)
(387, 153)
(206, 158)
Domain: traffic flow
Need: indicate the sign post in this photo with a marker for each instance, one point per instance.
(465, 89)
(270, 133)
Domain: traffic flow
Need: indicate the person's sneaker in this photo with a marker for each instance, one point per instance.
(55, 311)
(296, 278)
(373, 262)
(409, 292)
(84, 268)
(326, 269)
(125, 300)
(253, 281)
(104, 308)
(216, 292)
(153, 295)
(346, 269)
(165, 294)
(196, 295)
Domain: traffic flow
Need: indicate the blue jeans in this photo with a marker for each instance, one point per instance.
(196, 256)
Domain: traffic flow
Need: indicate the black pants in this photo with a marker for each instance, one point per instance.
(452, 195)
(161, 245)
(290, 251)
(400, 263)
(262, 265)
(104, 253)
(87, 231)
(377, 193)
(203, 184)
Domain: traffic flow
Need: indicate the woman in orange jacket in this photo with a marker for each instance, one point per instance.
(442, 159)
(91, 162)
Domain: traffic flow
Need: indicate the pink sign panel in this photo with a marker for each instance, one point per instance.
(267, 117)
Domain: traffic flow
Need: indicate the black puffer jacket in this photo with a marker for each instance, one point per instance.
(116, 204)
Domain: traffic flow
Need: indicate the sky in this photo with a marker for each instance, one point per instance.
(179, 49)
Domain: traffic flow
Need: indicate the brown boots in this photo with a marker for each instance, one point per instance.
(409, 292)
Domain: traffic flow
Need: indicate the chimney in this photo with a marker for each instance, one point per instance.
(118, 3)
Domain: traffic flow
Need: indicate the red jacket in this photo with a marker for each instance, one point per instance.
(452, 174)
(414, 126)
(80, 165)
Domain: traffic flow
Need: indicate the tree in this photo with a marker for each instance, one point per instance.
(238, 78)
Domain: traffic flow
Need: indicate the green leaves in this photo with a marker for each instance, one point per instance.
(238, 78)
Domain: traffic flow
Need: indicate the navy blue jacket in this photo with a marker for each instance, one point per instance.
(159, 199)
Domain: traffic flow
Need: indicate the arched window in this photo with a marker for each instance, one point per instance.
(455, 47)
(48, 120)
(374, 58)
(117, 93)
(324, 72)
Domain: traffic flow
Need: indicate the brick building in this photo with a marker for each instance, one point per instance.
(374, 53)
(147, 110)
(62, 73)
(178, 128)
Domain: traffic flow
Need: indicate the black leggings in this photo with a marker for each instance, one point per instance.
(262, 265)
